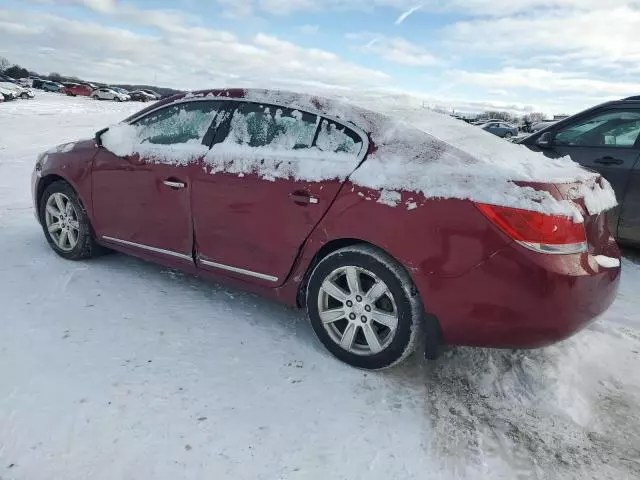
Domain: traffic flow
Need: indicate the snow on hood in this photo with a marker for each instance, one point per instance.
(416, 150)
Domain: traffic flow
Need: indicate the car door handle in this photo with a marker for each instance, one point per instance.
(176, 185)
(303, 198)
(609, 161)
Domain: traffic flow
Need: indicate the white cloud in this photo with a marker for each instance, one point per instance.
(603, 33)
(395, 49)
(180, 55)
(545, 81)
(406, 14)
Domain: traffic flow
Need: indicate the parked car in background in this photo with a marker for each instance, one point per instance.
(536, 127)
(123, 91)
(7, 78)
(19, 92)
(141, 96)
(156, 95)
(107, 93)
(7, 95)
(604, 138)
(25, 82)
(188, 181)
(51, 86)
(77, 89)
(501, 129)
(37, 82)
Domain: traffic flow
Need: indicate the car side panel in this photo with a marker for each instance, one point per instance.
(435, 238)
(629, 225)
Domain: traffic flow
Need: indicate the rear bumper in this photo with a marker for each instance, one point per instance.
(521, 299)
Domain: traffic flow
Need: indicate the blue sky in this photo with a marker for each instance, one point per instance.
(551, 55)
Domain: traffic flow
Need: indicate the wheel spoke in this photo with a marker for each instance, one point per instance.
(54, 227)
(348, 336)
(73, 237)
(59, 201)
(53, 211)
(74, 224)
(330, 316)
(353, 280)
(68, 208)
(334, 290)
(63, 239)
(383, 318)
(372, 338)
(377, 291)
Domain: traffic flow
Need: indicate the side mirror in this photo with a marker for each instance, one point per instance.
(98, 136)
(545, 139)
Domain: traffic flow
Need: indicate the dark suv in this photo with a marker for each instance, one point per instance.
(604, 138)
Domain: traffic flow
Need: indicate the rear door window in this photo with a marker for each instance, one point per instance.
(257, 125)
(336, 138)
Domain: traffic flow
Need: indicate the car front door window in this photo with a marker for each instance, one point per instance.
(611, 129)
(178, 124)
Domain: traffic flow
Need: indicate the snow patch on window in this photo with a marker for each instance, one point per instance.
(270, 162)
(390, 198)
(124, 140)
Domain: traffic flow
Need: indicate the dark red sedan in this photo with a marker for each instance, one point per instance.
(390, 229)
(73, 90)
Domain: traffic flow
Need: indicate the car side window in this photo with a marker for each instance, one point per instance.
(259, 125)
(617, 129)
(181, 123)
(336, 138)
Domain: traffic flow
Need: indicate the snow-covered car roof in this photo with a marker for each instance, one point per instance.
(423, 151)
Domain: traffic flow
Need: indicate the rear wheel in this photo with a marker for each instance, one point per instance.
(508, 135)
(117, 99)
(24, 95)
(364, 308)
(95, 97)
(65, 223)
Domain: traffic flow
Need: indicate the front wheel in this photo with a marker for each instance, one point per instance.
(508, 135)
(95, 97)
(364, 308)
(65, 223)
(24, 96)
(117, 99)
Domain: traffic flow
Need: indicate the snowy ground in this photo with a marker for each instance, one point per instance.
(120, 369)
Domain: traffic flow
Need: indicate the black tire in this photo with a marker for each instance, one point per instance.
(508, 135)
(95, 97)
(117, 99)
(86, 247)
(24, 96)
(407, 305)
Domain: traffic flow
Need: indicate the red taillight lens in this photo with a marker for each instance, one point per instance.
(537, 231)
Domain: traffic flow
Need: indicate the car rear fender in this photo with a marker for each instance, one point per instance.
(431, 238)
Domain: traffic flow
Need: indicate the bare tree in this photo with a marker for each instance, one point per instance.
(4, 63)
(535, 117)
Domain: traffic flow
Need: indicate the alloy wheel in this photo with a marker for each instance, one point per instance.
(61, 220)
(358, 310)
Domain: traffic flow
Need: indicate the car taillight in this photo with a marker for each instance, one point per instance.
(537, 231)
